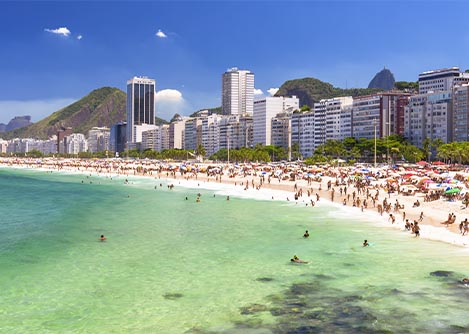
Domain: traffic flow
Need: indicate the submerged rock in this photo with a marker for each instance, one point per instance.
(441, 273)
(172, 296)
(253, 308)
(264, 279)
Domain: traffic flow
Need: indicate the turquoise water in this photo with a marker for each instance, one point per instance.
(171, 265)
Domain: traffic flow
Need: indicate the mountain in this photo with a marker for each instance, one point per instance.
(102, 107)
(216, 110)
(384, 79)
(311, 90)
(16, 123)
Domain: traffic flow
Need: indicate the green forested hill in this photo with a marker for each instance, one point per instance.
(311, 90)
(102, 107)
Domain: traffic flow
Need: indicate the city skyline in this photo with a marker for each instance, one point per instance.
(56, 53)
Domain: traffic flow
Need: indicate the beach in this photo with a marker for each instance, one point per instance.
(274, 182)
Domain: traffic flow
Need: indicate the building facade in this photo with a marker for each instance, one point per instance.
(237, 92)
(99, 139)
(140, 105)
(461, 113)
(429, 116)
(441, 80)
(267, 108)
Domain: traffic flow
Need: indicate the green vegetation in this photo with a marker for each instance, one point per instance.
(102, 107)
(455, 152)
(160, 121)
(405, 85)
(216, 110)
(388, 149)
(311, 90)
(259, 153)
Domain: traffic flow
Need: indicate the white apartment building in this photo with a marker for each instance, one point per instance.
(192, 133)
(333, 119)
(99, 139)
(302, 132)
(461, 113)
(211, 133)
(281, 131)
(237, 92)
(176, 133)
(428, 116)
(384, 110)
(138, 131)
(156, 139)
(267, 108)
(441, 80)
(76, 143)
(3, 146)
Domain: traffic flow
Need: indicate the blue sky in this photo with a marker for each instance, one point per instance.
(56, 52)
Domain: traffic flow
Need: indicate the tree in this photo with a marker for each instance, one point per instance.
(426, 146)
(35, 154)
(295, 151)
(201, 150)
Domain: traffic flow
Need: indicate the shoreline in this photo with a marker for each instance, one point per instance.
(435, 212)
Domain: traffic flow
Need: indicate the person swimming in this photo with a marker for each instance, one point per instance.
(306, 235)
(296, 259)
(102, 238)
(365, 243)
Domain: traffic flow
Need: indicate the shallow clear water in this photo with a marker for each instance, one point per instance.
(171, 265)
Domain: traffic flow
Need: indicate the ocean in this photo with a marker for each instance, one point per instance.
(175, 265)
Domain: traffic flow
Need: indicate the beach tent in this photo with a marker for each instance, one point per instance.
(452, 191)
(422, 163)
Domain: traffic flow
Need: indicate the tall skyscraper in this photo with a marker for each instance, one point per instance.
(237, 92)
(140, 105)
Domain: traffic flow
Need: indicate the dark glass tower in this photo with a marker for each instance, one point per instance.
(140, 105)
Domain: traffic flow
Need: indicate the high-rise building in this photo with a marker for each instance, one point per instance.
(332, 119)
(383, 110)
(140, 105)
(461, 113)
(441, 80)
(429, 116)
(118, 139)
(302, 132)
(237, 92)
(98, 139)
(267, 108)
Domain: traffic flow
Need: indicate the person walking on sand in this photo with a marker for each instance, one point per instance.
(465, 227)
(421, 216)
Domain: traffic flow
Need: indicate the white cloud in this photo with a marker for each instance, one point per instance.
(170, 102)
(79, 37)
(272, 91)
(160, 34)
(37, 109)
(258, 91)
(60, 31)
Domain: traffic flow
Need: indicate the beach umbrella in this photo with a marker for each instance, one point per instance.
(452, 191)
